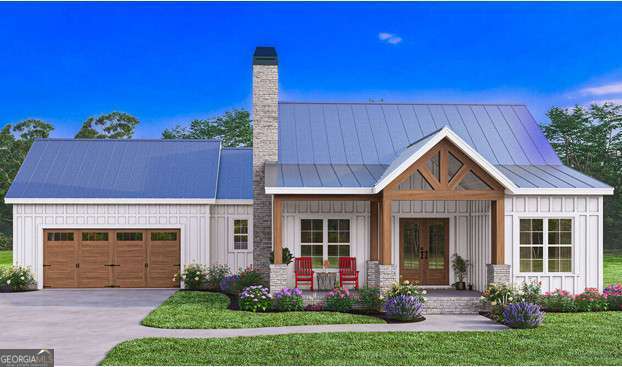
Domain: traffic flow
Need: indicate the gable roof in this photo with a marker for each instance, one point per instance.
(517, 179)
(376, 133)
(84, 170)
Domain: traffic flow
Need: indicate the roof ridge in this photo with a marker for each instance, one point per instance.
(404, 103)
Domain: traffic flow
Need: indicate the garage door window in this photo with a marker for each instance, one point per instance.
(94, 236)
(129, 236)
(60, 236)
(164, 236)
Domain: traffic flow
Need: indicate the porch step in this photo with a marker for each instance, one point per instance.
(452, 305)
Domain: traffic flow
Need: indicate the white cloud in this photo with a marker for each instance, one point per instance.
(614, 100)
(389, 38)
(604, 89)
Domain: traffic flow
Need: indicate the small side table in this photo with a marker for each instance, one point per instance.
(326, 280)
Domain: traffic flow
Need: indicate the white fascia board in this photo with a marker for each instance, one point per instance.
(320, 190)
(106, 201)
(563, 191)
(466, 148)
(234, 202)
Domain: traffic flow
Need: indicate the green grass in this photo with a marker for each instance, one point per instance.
(6, 258)
(612, 265)
(564, 339)
(203, 310)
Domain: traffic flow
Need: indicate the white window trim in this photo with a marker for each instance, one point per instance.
(324, 219)
(545, 246)
(231, 233)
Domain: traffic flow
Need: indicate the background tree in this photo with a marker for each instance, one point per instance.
(114, 125)
(590, 140)
(15, 141)
(233, 128)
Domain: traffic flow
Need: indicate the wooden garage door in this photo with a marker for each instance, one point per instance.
(132, 258)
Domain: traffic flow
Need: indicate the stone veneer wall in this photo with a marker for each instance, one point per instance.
(372, 274)
(278, 277)
(265, 149)
(498, 273)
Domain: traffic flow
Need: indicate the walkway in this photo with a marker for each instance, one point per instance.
(82, 325)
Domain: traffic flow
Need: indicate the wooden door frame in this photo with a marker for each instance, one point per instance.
(424, 242)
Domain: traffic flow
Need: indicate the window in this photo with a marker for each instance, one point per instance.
(312, 240)
(60, 236)
(240, 234)
(545, 245)
(338, 240)
(321, 245)
(129, 236)
(164, 236)
(560, 245)
(94, 236)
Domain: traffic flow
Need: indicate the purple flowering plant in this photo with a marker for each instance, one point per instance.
(613, 294)
(522, 315)
(404, 308)
(255, 298)
(288, 299)
(230, 284)
(339, 300)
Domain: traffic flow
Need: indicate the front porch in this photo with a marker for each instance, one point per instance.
(432, 203)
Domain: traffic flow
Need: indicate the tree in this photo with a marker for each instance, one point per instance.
(590, 140)
(233, 128)
(15, 141)
(114, 125)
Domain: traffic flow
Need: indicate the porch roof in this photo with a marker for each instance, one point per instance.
(297, 178)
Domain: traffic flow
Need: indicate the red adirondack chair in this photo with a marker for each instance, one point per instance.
(348, 272)
(303, 269)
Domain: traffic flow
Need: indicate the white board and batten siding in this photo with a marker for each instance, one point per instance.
(194, 221)
(586, 213)
(221, 236)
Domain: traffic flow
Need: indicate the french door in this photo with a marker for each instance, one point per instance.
(424, 250)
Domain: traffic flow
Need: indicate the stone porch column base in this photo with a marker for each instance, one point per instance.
(498, 274)
(278, 277)
(373, 278)
(387, 276)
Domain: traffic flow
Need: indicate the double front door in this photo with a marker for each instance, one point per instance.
(424, 248)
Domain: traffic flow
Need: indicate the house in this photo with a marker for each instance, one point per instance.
(401, 187)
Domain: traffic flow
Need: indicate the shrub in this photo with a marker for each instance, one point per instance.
(591, 300)
(250, 276)
(6, 241)
(522, 315)
(498, 296)
(404, 308)
(288, 299)
(193, 276)
(370, 299)
(339, 300)
(558, 301)
(286, 256)
(214, 274)
(531, 292)
(16, 278)
(255, 298)
(230, 284)
(613, 293)
(407, 289)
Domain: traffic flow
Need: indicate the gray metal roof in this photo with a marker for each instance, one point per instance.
(548, 176)
(132, 169)
(376, 133)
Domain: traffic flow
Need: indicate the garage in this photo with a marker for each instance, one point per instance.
(119, 258)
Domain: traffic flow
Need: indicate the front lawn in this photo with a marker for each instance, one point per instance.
(564, 339)
(612, 265)
(6, 258)
(204, 310)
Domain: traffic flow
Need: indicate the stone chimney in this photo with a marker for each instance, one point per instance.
(265, 149)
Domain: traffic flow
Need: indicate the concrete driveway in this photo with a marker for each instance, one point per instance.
(81, 325)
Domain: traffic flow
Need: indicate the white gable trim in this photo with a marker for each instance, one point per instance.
(446, 132)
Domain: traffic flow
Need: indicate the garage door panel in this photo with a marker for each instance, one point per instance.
(163, 258)
(95, 256)
(60, 259)
(130, 252)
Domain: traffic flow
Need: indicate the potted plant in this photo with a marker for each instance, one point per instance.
(286, 256)
(459, 265)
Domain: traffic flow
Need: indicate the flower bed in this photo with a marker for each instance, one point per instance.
(17, 279)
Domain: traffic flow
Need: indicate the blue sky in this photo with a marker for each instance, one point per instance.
(168, 63)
